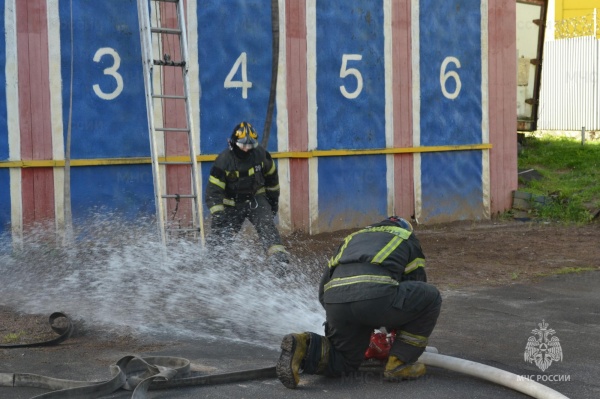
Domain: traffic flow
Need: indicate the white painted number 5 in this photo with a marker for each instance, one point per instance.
(111, 71)
(345, 71)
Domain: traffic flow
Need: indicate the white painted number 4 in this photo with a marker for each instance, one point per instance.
(244, 83)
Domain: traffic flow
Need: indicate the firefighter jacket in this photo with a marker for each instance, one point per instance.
(234, 180)
(371, 263)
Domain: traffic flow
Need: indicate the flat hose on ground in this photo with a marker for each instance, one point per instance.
(132, 373)
(140, 374)
(63, 332)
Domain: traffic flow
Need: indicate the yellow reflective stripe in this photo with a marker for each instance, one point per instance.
(251, 172)
(414, 265)
(272, 170)
(228, 201)
(260, 191)
(397, 231)
(412, 339)
(216, 208)
(387, 250)
(333, 262)
(273, 188)
(216, 182)
(365, 278)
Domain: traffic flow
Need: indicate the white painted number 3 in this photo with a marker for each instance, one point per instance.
(110, 71)
(244, 84)
(345, 71)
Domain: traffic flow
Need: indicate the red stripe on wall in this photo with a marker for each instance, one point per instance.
(502, 103)
(297, 100)
(175, 116)
(34, 110)
(402, 92)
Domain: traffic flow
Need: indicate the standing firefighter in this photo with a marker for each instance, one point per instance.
(375, 279)
(244, 184)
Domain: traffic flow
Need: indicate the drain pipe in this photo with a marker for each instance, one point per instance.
(492, 374)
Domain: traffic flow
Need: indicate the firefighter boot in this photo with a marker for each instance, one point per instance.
(396, 370)
(279, 259)
(293, 352)
(306, 352)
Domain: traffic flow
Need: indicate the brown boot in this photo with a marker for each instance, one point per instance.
(293, 351)
(396, 370)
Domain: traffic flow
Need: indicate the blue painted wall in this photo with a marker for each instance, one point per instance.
(235, 47)
(109, 109)
(226, 31)
(125, 191)
(451, 107)
(350, 38)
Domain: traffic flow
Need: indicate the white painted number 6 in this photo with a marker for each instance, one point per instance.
(345, 71)
(452, 74)
(111, 71)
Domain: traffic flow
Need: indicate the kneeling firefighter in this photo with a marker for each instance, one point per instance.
(244, 184)
(375, 279)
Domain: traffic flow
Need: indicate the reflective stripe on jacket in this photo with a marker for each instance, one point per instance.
(370, 263)
(233, 180)
(388, 246)
(364, 278)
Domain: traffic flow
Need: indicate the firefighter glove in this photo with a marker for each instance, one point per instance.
(274, 206)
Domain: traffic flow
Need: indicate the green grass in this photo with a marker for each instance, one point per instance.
(571, 177)
(12, 338)
(567, 270)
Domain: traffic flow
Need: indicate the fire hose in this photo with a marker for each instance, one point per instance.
(140, 374)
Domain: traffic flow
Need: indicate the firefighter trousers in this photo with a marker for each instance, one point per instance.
(412, 311)
(227, 223)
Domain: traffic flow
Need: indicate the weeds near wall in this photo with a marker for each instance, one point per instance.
(570, 177)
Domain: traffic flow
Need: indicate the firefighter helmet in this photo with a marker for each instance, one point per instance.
(405, 224)
(244, 136)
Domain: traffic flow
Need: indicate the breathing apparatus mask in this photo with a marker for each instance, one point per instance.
(244, 137)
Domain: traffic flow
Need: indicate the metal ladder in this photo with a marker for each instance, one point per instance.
(178, 214)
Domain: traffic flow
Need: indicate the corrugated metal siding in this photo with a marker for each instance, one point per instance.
(38, 184)
(570, 85)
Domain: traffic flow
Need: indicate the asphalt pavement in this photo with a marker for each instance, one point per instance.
(488, 326)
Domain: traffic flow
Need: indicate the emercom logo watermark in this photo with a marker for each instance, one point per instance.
(543, 348)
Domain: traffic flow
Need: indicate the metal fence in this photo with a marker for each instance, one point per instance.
(570, 88)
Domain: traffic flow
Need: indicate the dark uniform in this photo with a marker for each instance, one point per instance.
(244, 185)
(376, 279)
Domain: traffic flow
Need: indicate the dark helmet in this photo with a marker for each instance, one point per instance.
(401, 222)
(244, 136)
